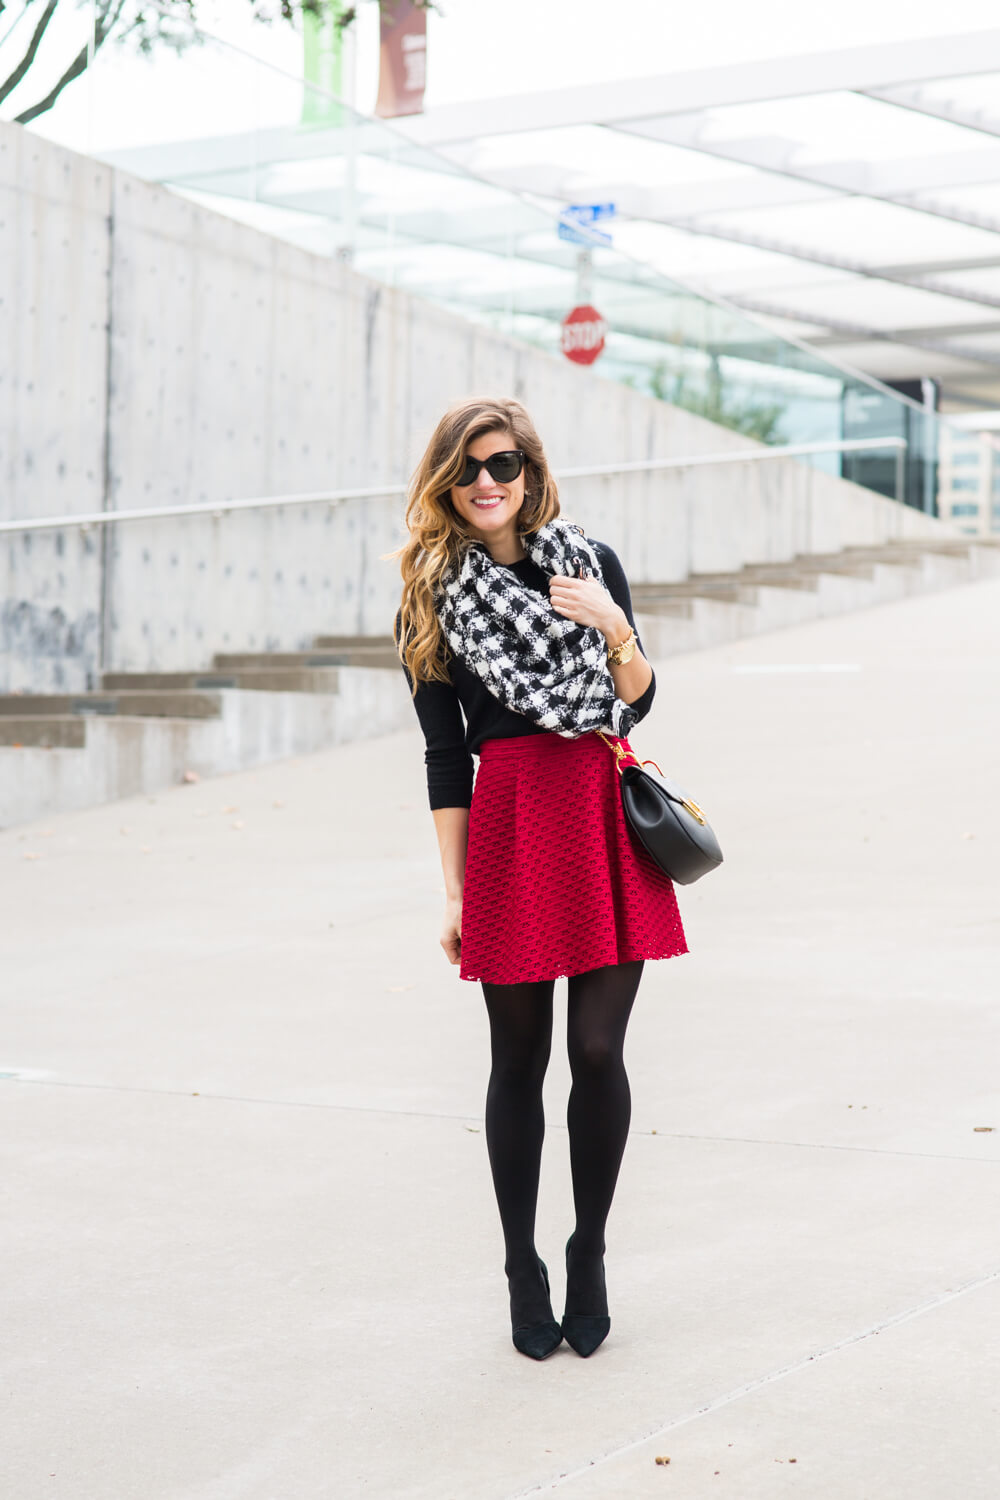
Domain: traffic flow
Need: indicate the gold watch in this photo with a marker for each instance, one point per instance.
(622, 653)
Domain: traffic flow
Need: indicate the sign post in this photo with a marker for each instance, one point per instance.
(583, 329)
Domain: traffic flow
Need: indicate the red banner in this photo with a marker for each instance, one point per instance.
(403, 59)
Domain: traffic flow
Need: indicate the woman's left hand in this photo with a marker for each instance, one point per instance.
(587, 602)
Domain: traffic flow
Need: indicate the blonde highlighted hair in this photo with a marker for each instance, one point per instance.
(438, 534)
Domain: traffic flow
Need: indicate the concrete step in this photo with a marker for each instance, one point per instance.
(728, 591)
(253, 679)
(856, 567)
(58, 762)
(346, 642)
(944, 545)
(162, 705)
(780, 578)
(375, 655)
(856, 578)
(67, 731)
(671, 604)
(951, 558)
(890, 558)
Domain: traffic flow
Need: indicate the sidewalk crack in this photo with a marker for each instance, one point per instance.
(931, 1304)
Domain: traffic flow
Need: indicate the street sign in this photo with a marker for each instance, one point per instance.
(586, 216)
(589, 213)
(583, 331)
(578, 237)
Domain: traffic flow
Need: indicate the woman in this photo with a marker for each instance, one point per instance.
(517, 637)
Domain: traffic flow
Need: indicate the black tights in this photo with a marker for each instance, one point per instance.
(600, 1106)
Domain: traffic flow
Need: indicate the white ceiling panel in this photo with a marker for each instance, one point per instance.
(976, 96)
(594, 153)
(861, 230)
(828, 127)
(900, 362)
(982, 199)
(985, 282)
(981, 343)
(716, 262)
(878, 305)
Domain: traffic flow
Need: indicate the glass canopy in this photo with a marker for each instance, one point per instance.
(851, 198)
(760, 247)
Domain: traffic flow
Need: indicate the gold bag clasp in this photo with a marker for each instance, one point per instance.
(621, 756)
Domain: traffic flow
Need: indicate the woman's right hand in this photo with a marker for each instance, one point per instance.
(451, 932)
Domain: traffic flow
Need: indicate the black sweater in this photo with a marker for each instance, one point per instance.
(457, 716)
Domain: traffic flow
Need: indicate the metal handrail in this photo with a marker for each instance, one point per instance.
(220, 508)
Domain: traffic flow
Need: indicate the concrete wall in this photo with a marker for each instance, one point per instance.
(153, 352)
(54, 259)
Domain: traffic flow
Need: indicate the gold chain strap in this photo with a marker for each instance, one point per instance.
(621, 756)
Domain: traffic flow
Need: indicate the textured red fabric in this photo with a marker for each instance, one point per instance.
(554, 883)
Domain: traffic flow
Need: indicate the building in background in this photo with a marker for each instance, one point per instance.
(969, 472)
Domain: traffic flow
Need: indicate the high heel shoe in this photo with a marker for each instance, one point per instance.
(584, 1332)
(538, 1340)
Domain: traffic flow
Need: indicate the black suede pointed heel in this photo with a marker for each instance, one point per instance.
(538, 1340)
(584, 1332)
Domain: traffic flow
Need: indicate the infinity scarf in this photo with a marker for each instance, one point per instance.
(532, 660)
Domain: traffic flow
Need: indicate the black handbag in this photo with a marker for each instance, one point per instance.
(670, 826)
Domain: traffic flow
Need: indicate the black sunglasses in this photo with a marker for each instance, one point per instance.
(503, 467)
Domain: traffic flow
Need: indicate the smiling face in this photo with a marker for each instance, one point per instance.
(490, 508)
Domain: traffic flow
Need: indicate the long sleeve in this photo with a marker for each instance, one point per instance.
(446, 754)
(617, 586)
(448, 762)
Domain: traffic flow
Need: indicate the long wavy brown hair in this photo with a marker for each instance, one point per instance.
(438, 534)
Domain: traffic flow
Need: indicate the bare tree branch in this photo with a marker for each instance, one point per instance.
(76, 67)
(12, 82)
(102, 28)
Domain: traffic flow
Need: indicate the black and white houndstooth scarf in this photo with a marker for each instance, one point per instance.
(534, 661)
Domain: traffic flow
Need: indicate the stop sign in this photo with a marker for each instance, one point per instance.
(583, 332)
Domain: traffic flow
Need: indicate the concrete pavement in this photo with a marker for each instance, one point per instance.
(251, 1251)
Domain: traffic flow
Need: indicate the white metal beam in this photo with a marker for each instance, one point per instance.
(898, 275)
(935, 267)
(905, 176)
(685, 199)
(937, 332)
(781, 181)
(920, 103)
(166, 161)
(879, 66)
(776, 155)
(919, 339)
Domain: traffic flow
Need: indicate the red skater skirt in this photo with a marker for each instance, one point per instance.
(554, 883)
